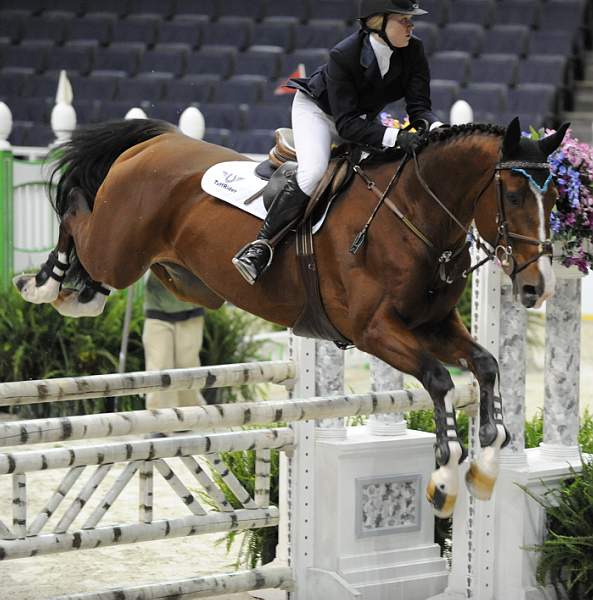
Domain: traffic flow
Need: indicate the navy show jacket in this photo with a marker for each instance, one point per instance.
(350, 85)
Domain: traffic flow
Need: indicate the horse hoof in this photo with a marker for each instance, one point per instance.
(68, 305)
(479, 484)
(28, 289)
(443, 504)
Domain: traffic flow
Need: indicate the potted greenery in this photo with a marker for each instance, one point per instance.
(566, 555)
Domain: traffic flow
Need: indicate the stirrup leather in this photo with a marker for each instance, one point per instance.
(239, 260)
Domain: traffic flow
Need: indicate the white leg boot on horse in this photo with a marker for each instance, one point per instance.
(45, 286)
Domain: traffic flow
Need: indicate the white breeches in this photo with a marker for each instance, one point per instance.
(314, 132)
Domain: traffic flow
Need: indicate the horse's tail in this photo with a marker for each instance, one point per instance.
(85, 160)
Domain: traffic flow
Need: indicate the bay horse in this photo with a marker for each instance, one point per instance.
(129, 199)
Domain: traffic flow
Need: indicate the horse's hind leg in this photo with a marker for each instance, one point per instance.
(45, 286)
(391, 341)
(452, 343)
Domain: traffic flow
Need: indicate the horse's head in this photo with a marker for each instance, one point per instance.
(516, 219)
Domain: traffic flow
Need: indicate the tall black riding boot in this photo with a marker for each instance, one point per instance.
(253, 260)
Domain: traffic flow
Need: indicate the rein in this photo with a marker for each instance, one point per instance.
(503, 250)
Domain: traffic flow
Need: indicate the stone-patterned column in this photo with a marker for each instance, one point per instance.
(385, 378)
(512, 363)
(562, 369)
(329, 380)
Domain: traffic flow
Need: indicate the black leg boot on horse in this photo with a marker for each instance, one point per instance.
(286, 206)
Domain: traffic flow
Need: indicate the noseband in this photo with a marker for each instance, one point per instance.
(502, 246)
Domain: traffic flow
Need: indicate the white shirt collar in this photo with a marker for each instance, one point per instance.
(383, 54)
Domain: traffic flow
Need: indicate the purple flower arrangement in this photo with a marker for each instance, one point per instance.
(572, 219)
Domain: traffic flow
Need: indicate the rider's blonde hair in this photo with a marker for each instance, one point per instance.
(375, 22)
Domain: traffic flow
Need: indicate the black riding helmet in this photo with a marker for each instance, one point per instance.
(369, 8)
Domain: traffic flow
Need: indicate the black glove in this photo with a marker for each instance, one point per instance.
(407, 141)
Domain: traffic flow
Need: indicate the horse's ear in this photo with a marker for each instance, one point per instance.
(512, 137)
(550, 143)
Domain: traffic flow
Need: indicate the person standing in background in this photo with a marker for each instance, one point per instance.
(172, 339)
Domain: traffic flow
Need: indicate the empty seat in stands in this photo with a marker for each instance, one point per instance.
(117, 8)
(117, 58)
(490, 98)
(217, 136)
(164, 60)
(216, 60)
(497, 68)
(443, 94)
(288, 8)
(253, 141)
(462, 37)
(74, 7)
(222, 116)
(254, 9)
(428, 33)
(19, 133)
(192, 8)
(94, 29)
(533, 97)
(167, 111)
(228, 31)
(193, 88)
(274, 33)
(95, 87)
(260, 60)
(268, 116)
(179, 32)
(506, 39)
(471, 11)
(450, 65)
(26, 7)
(86, 110)
(437, 11)
(562, 15)
(116, 109)
(550, 42)
(345, 10)
(42, 28)
(539, 68)
(319, 34)
(312, 58)
(517, 12)
(135, 29)
(77, 59)
(161, 8)
(23, 59)
(136, 90)
(12, 84)
(11, 27)
(42, 86)
(241, 89)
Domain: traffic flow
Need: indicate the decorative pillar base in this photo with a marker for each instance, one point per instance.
(379, 427)
(331, 433)
(374, 527)
(560, 452)
(518, 522)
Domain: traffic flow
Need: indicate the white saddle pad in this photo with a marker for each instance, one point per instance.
(236, 183)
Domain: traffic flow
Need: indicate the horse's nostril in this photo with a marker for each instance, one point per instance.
(529, 296)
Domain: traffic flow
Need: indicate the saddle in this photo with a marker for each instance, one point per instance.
(313, 321)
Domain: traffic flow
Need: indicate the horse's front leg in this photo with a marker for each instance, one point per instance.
(45, 286)
(452, 343)
(388, 338)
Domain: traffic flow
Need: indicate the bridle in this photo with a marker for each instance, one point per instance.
(502, 250)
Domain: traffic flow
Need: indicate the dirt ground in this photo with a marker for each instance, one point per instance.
(46, 577)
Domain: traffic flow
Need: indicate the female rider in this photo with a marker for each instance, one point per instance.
(379, 64)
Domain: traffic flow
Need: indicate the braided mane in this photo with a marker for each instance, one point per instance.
(447, 133)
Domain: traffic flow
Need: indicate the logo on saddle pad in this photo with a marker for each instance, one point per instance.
(236, 183)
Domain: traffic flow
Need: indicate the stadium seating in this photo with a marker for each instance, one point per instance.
(229, 57)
